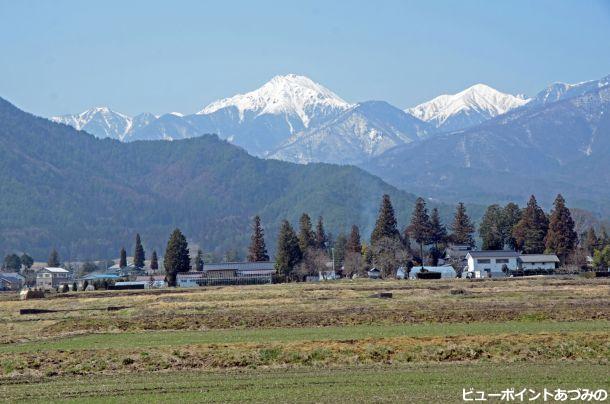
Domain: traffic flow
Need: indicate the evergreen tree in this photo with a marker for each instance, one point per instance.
(511, 214)
(53, 260)
(199, 261)
(353, 243)
(591, 241)
(491, 228)
(12, 262)
(176, 258)
(561, 237)
(531, 230)
(154, 261)
(27, 261)
(340, 248)
(307, 238)
(386, 222)
(288, 253)
(321, 237)
(438, 231)
(139, 256)
(122, 258)
(257, 252)
(462, 228)
(420, 228)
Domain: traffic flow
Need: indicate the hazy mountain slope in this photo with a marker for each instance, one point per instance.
(365, 130)
(88, 197)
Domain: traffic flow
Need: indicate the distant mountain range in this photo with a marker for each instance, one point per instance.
(549, 147)
(479, 144)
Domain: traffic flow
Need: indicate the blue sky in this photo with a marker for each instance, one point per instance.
(135, 56)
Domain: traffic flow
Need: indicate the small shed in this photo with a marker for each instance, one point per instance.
(447, 272)
(374, 273)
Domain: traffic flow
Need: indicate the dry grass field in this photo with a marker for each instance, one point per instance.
(322, 342)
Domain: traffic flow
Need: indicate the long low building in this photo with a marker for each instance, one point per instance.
(492, 264)
(538, 262)
(229, 273)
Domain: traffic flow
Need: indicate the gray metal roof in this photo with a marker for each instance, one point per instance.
(239, 266)
(538, 258)
(493, 254)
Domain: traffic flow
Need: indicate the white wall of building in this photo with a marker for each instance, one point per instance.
(485, 265)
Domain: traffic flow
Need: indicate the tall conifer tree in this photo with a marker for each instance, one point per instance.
(138, 255)
(531, 230)
(511, 214)
(176, 258)
(561, 237)
(307, 238)
(420, 228)
(122, 258)
(353, 243)
(257, 251)
(386, 222)
(462, 228)
(288, 252)
(321, 237)
(154, 261)
(53, 260)
(438, 231)
(491, 228)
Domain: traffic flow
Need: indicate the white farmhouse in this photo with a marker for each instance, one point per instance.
(490, 264)
(538, 261)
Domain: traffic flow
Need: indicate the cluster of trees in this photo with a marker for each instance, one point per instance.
(530, 230)
(14, 262)
(139, 256)
(307, 252)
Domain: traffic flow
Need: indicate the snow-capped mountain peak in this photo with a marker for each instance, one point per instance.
(99, 121)
(291, 95)
(466, 108)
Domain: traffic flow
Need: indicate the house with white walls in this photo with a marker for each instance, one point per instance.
(490, 264)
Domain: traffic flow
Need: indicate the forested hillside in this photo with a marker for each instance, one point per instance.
(88, 197)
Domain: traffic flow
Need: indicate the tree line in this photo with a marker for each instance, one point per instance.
(309, 249)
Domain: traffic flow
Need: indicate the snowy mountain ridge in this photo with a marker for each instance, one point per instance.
(469, 107)
(293, 118)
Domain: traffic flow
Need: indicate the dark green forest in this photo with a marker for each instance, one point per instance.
(62, 188)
